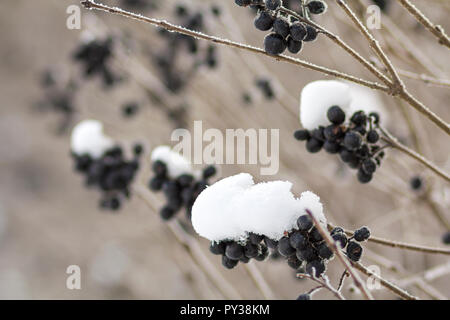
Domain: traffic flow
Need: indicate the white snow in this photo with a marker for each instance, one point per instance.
(366, 100)
(88, 138)
(235, 206)
(318, 96)
(176, 163)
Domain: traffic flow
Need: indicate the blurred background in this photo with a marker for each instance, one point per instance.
(49, 219)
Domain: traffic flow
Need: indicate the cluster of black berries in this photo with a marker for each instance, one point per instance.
(304, 249)
(58, 98)
(179, 192)
(95, 56)
(287, 31)
(356, 143)
(111, 173)
(173, 69)
(256, 246)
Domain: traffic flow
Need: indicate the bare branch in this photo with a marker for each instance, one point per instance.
(389, 138)
(436, 30)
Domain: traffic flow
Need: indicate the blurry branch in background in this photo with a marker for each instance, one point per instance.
(194, 249)
(394, 143)
(387, 284)
(436, 30)
(192, 245)
(400, 245)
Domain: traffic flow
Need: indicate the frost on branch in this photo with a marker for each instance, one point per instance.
(88, 139)
(235, 206)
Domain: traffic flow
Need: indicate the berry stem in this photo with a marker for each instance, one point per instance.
(436, 30)
(333, 246)
(323, 284)
(401, 245)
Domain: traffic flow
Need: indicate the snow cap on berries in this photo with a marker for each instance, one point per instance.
(235, 206)
(176, 163)
(318, 96)
(88, 138)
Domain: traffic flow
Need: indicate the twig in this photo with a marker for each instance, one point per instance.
(436, 30)
(389, 138)
(333, 246)
(387, 284)
(90, 4)
(336, 39)
(342, 280)
(398, 88)
(324, 283)
(374, 44)
(400, 245)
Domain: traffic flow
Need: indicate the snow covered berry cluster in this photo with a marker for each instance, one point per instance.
(243, 220)
(172, 62)
(324, 112)
(287, 32)
(181, 185)
(103, 163)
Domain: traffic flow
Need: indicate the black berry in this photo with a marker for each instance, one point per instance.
(354, 251)
(316, 7)
(304, 223)
(336, 115)
(274, 44)
(362, 234)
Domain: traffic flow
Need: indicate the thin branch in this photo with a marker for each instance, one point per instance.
(398, 87)
(385, 283)
(425, 78)
(401, 245)
(436, 30)
(90, 4)
(393, 141)
(333, 246)
(374, 44)
(342, 280)
(323, 283)
(336, 39)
